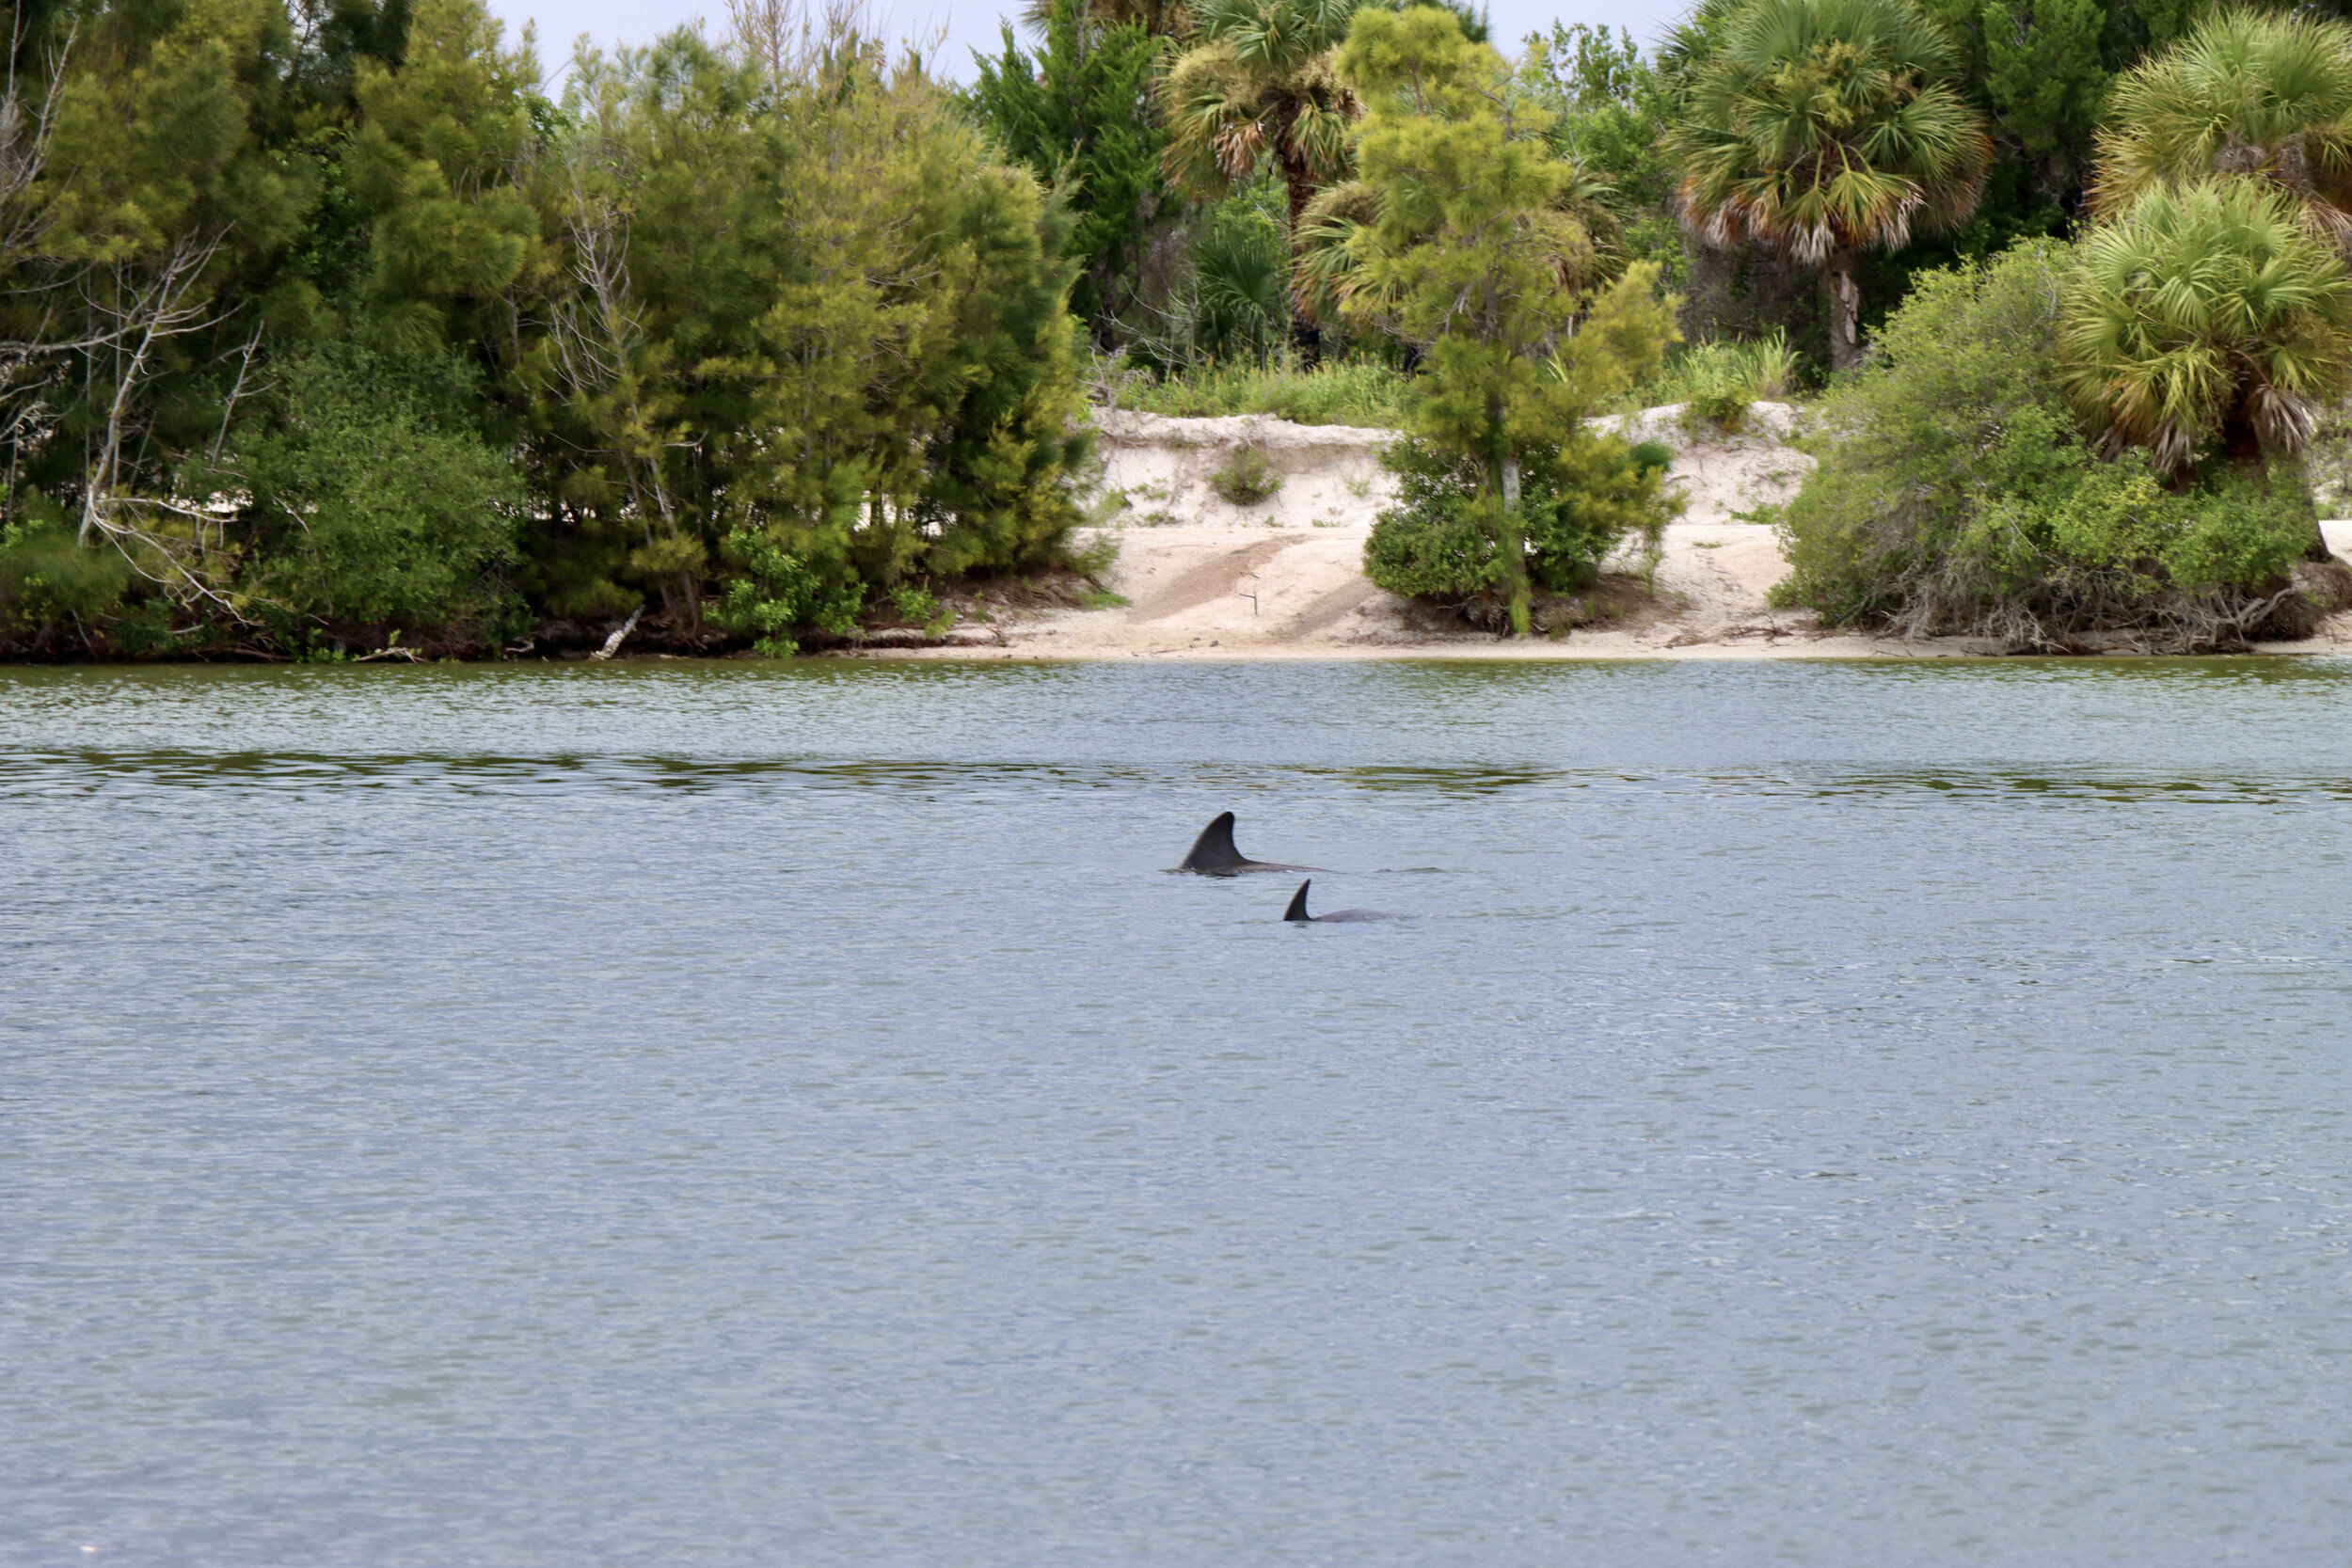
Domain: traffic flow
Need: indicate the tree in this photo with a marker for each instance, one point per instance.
(437, 165)
(2247, 93)
(2042, 70)
(152, 238)
(1079, 114)
(806, 324)
(1821, 128)
(2046, 80)
(2209, 312)
(1259, 82)
(1468, 257)
(1958, 494)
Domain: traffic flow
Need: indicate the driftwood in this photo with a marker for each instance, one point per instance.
(612, 643)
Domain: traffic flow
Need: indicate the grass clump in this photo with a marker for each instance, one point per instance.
(1245, 478)
(1358, 392)
(1958, 494)
(1716, 382)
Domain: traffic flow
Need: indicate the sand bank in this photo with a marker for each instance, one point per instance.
(1282, 577)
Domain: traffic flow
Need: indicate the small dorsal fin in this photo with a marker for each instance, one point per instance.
(1299, 902)
(1214, 849)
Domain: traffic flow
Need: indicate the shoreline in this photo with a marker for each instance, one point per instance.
(1277, 573)
(1281, 575)
(1841, 647)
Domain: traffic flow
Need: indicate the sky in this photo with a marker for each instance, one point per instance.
(970, 24)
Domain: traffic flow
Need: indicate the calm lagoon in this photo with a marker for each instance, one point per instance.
(1813, 1113)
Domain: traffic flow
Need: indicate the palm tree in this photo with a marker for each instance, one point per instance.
(1257, 81)
(1240, 286)
(2247, 93)
(2210, 310)
(1821, 128)
(1169, 19)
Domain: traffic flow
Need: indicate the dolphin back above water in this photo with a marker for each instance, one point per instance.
(1213, 855)
(1297, 913)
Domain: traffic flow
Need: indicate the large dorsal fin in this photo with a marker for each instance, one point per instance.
(1214, 849)
(1299, 902)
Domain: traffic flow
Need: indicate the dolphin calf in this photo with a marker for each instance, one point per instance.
(1297, 913)
(1213, 855)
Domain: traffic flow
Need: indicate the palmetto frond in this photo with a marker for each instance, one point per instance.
(1214, 117)
(1274, 38)
(1163, 18)
(1584, 196)
(1828, 125)
(2202, 303)
(1257, 81)
(1328, 272)
(1242, 285)
(1316, 137)
(2247, 93)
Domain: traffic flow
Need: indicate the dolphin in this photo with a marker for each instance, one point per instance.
(1213, 855)
(1297, 913)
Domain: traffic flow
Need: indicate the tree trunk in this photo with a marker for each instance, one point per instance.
(1845, 312)
(1514, 548)
(1300, 188)
(2241, 443)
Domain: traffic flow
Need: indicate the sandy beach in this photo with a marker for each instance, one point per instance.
(1282, 577)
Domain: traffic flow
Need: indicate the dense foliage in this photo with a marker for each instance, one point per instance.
(1079, 114)
(1957, 494)
(321, 333)
(321, 322)
(1822, 128)
(1471, 251)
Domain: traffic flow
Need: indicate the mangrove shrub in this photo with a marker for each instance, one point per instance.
(372, 497)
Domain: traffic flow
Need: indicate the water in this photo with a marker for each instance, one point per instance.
(1819, 1113)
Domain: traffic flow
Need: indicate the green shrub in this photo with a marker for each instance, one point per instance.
(1653, 454)
(917, 606)
(1245, 478)
(1958, 495)
(1577, 502)
(774, 591)
(378, 499)
(49, 582)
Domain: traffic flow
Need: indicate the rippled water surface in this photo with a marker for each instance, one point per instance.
(1822, 1114)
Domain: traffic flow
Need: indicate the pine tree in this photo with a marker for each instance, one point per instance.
(1469, 256)
(437, 165)
(1079, 114)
